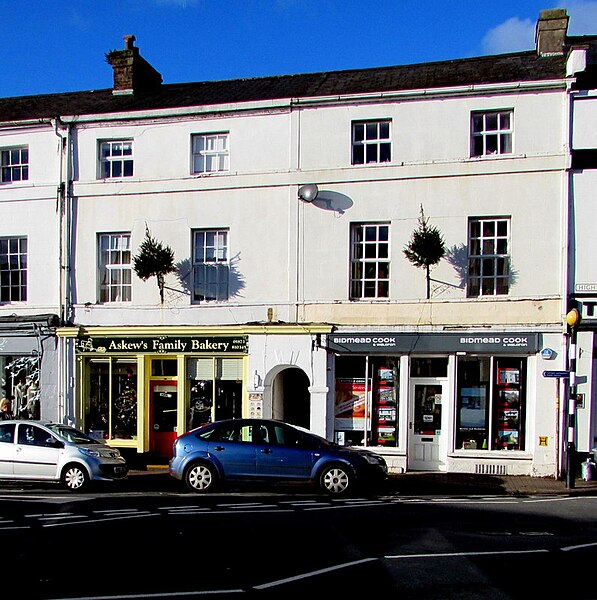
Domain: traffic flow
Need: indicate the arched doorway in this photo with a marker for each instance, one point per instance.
(291, 400)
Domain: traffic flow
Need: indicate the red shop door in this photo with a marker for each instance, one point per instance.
(163, 416)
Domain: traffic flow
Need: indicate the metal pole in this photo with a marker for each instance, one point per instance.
(571, 445)
(557, 452)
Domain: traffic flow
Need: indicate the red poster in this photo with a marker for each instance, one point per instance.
(350, 404)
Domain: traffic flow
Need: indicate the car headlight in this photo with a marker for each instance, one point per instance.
(373, 459)
(89, 452)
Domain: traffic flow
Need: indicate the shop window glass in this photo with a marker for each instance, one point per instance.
(490, 403)
(215, 390)
(111, 412)
(508, 405)
(124, 400)
(429, 367)
(97, 414)
(164, 368)
(201, 390)
(20, 381)
(384, 430)
(367, 401)
(472, 428)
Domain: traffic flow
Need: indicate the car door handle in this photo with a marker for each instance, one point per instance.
(265, 451)
(219, 448)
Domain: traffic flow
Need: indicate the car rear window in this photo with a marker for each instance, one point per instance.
(7, 432)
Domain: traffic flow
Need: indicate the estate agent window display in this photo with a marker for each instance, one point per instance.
(491, 403)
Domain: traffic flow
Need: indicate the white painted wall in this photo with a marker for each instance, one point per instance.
(287, 251)
(29, 208)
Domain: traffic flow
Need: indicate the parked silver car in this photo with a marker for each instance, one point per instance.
(40, 451)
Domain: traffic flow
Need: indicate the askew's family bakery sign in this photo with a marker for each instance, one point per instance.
(163, 345)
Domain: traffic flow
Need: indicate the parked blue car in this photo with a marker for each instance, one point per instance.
(244, 450)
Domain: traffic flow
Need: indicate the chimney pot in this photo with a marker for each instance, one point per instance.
(129, 42)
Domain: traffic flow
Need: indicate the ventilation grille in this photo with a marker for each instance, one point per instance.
(491, 469)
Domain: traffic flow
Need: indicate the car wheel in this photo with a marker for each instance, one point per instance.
(201, 477)
(336, 480)
(74, 478)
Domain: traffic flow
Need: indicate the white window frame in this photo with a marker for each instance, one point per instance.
(114, 267)
(13, 269)
(210, 152)
(211, 265)
(116, 159)
(14, 164)
(488, 256)
(492, 132)
(373, 139)
(369, 261)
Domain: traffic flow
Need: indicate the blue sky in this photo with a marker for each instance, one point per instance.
(52, 46)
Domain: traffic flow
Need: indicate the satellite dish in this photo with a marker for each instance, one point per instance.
(308, 193)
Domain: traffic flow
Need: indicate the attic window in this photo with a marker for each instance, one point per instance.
(491, 132)
(371, 142)
(15, 164)
(116, 159)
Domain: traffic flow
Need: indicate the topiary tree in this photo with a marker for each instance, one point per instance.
(426, 248)
(154, 259)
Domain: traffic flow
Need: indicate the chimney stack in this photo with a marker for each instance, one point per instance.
(132, 73)
(550, 33)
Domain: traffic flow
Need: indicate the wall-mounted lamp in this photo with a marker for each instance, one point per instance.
(308, 193)
(257, 380)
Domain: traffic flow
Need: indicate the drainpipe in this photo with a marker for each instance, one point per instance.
(565, 270)
(575, 63)
(64, 225)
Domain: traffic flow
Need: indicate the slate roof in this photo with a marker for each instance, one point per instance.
(521, 66)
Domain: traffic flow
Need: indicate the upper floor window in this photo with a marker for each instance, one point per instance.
(211, 267)
(13, 269)
(15, 164)
(488, 257)
(116, 159)
(371, 142)
(211, 152)
(370, 261)
(491, 132)
(114, 267)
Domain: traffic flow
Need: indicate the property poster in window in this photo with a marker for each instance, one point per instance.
(350, 403)
(507, 411)
(472, 418)
(508, 377)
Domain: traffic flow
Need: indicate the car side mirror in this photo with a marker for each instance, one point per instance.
(54, 443)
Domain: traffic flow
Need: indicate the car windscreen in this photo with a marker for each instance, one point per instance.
(71, 434)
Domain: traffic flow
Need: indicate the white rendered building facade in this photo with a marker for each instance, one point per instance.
(287, 203)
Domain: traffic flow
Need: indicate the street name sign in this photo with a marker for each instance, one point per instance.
(560, 374)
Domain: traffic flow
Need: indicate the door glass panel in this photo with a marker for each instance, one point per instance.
(428, 409)
(164, 408)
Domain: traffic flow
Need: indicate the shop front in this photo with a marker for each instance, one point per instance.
(28, 364)
(140, 392)
(435, 401)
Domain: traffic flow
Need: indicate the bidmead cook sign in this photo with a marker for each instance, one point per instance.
(380, 343)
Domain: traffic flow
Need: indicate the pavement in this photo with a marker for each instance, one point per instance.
(417, 483)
